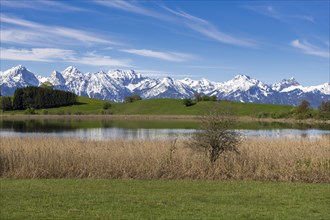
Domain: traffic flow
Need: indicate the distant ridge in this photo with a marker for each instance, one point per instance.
(115, 85)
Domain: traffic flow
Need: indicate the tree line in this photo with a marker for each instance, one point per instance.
(36, 98)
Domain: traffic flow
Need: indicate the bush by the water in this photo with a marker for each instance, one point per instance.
(215, 136)
(37, 97)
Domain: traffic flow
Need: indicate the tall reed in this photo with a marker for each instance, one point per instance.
(259, 159)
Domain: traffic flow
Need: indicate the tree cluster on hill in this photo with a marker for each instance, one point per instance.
(198, 98)
(133, 98)
(37, 97)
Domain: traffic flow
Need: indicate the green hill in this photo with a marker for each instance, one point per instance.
(176, 107)
(164, 107)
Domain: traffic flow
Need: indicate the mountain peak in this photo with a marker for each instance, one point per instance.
(291, 81)
(18, 68)
(285, 83)
(71, 69)
(241, 76)
(125, 77)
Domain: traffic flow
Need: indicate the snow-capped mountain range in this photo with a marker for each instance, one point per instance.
(115, 85)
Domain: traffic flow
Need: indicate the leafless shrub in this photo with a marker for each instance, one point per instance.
(215, 136)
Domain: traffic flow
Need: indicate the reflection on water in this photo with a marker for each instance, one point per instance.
(122, 129)
(286, 133)
(125, 133)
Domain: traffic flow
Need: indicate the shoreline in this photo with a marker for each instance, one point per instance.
(156, 118)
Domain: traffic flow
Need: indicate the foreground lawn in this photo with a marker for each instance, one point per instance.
(144, 199)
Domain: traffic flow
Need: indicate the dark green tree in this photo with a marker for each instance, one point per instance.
(133, 98)
(136, 97)
(6, 103)
(18, 99)
(38, 97)
(188, 102)
(106, 105)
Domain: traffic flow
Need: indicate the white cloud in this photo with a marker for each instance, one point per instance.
(36, 54)
(32, 33)
(209, 30)
(131, 7)
(194, 23)
(60, 55)
(169, 56)
(39, 5)
(93, 59)
(310, 49)
(270, 11)
(59, 5)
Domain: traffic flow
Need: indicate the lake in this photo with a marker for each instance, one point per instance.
(138, 129)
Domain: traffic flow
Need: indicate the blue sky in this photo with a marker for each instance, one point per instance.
(267, 40)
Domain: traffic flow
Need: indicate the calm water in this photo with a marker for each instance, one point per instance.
(101, 130)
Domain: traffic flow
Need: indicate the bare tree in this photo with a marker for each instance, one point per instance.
(215, 136)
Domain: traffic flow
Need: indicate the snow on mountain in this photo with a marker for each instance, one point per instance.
(202, 86)
(242, 83)
(243, 89)
(42, 79)
(168, 88)
(285, 83)
(126, 77)
(117, 84)
(102, 86)
(324, 88)
(16, 77)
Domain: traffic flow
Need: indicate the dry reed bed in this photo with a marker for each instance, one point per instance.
(259, 159)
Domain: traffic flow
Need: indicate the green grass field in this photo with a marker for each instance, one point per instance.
(144, 199)
(161, 107)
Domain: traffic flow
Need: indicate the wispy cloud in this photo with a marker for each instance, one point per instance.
(36, 54)
(47, 5)
(61, 55)
(93, 59)
(60, 5)
(194, 23)
(209, 30)
(310, 49)
(28, 32)
(270, 11)
(132, 8)
(169, 56)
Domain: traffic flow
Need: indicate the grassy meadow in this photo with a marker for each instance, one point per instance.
(303, 160)
(160, 199)
(159, 107)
